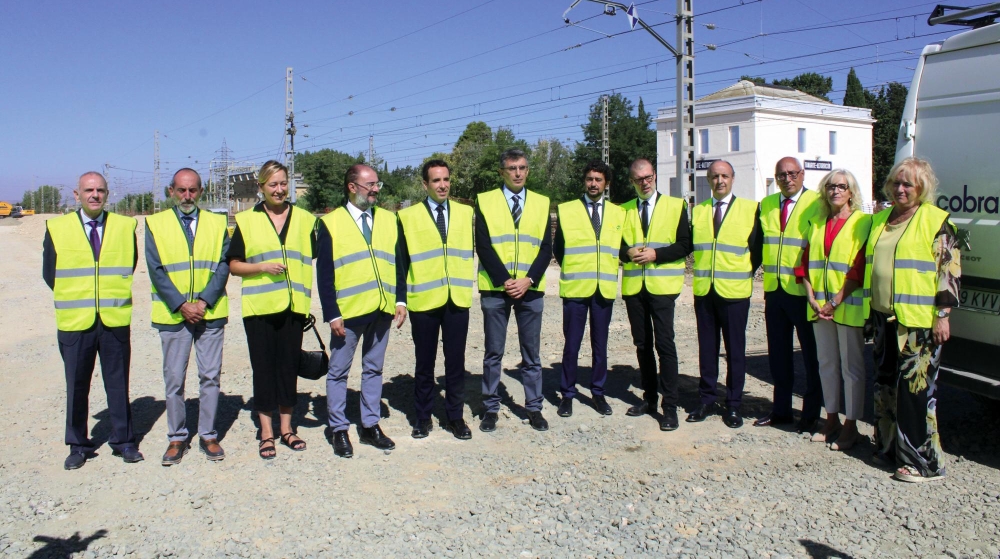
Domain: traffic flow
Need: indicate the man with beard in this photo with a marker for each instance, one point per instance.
(356, 274)
(186, 257)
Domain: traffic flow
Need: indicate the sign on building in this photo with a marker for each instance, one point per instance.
(817, 165)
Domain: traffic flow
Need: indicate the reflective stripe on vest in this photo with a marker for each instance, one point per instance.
(438, 272)
(84, 288)
(189, 270)
(827, 274)
(589, 264)
(516, 247)
(724, 261)
(660, 279)
(914, 274)
(269, 293)
(783, 250)
(364, 276)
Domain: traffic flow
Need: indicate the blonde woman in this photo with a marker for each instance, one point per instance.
(913, 273)
(833, 272)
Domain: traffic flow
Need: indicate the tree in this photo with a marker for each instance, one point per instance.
(887, 111)
(854, 94)
(755, 79)
(630, 137)
(810, 82)
(44, 199)
(134, 204)
(552, 169)
(324, 172)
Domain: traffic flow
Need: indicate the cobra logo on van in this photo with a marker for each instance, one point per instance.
(968, 203)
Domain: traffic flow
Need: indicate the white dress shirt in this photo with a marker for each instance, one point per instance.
(100, 224)
(434, 206)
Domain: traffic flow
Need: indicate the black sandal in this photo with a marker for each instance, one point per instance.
(298, 446)
(261, 449)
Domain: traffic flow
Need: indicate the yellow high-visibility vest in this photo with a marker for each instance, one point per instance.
(84, 287)
(827, 274)
(914, 272)
(724, 261)
(589, 263)
(783, 249)
(439, 271)
(272, 293)
(660, 279)
(518, 246)
(364, 276)
(190, 270)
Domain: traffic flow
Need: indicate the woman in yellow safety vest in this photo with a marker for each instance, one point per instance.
(833, 272)
(912, 271)
(272, 250)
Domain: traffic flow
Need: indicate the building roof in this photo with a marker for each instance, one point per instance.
(746, 88)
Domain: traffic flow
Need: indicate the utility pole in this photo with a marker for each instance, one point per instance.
(290, 131)
(156, 161)
(371, 150)
(605, 143)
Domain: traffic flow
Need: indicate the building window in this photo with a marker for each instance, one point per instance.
(802, 140)
(833, 143)
(734, 138)
(673, 143)
(703, 137)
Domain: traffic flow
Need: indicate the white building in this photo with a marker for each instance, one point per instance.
(753, 126)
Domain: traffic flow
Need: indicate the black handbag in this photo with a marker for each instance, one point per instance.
(313, 365)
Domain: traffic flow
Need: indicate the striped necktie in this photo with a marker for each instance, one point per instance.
(515, 210)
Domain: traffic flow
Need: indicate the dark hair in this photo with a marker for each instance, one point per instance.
(179, 171)
(352, 174)
(431, 163)
(599, 166)
(511, 154)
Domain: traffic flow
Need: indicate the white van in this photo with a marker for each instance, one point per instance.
(952, 119)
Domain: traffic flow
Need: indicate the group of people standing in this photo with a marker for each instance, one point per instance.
(827, 268)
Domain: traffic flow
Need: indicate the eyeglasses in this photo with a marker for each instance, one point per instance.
(370, 185)
(841, 187)
(516, 168)
(790, 175)
(643, 180)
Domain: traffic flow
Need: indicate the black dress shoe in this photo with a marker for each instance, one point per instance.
(537, 422)
(773, 420)
(565, 407)
(602, 406)
(458, 428)
(806, 425)
(669, 420)
(732, 418)
(75, 460)
(129, 454)
(374, 436)
(700, 413)
(422, 428)
(342, 444)
(641, 408)
(489, 422)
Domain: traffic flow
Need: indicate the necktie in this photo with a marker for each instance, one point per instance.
(187, 220)
(784, 212)
(515, 210)
(595, 219)
(645, 218)
(95, 240)
(365, 229)
(440, 223)
(718, 216)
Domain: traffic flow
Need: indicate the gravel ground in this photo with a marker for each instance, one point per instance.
(591, 486)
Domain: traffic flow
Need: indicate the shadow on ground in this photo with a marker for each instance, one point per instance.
(64, 547)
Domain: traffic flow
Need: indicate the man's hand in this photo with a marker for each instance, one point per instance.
(400, 317)
(272, 268)
(337, 327)
(516, 288)
(941, 330)
(826, 312)
(193, 313)
(642, 255)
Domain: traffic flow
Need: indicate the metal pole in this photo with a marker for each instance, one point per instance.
(290, 130)
(685, 166)
(605, 141)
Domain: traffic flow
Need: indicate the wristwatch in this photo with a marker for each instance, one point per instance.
(833, 303)
(941, 313)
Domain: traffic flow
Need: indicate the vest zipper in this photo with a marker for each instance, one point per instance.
(190, 270)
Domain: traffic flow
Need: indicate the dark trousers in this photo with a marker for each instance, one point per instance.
(275, 343)
(79, 351)
(574, 320)
(714, 315)
(652, 321)
(452, 323)
(784, 312)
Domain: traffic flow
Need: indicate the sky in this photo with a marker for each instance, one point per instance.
(86, 85)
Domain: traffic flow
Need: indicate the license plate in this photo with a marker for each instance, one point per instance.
(980, 301)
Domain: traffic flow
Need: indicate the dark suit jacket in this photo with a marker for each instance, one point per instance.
(495, 269)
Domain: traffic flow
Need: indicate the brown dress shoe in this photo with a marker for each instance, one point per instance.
(175, 452)
(212, 449)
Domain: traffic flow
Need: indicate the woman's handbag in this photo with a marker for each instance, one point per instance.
(313, 365)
